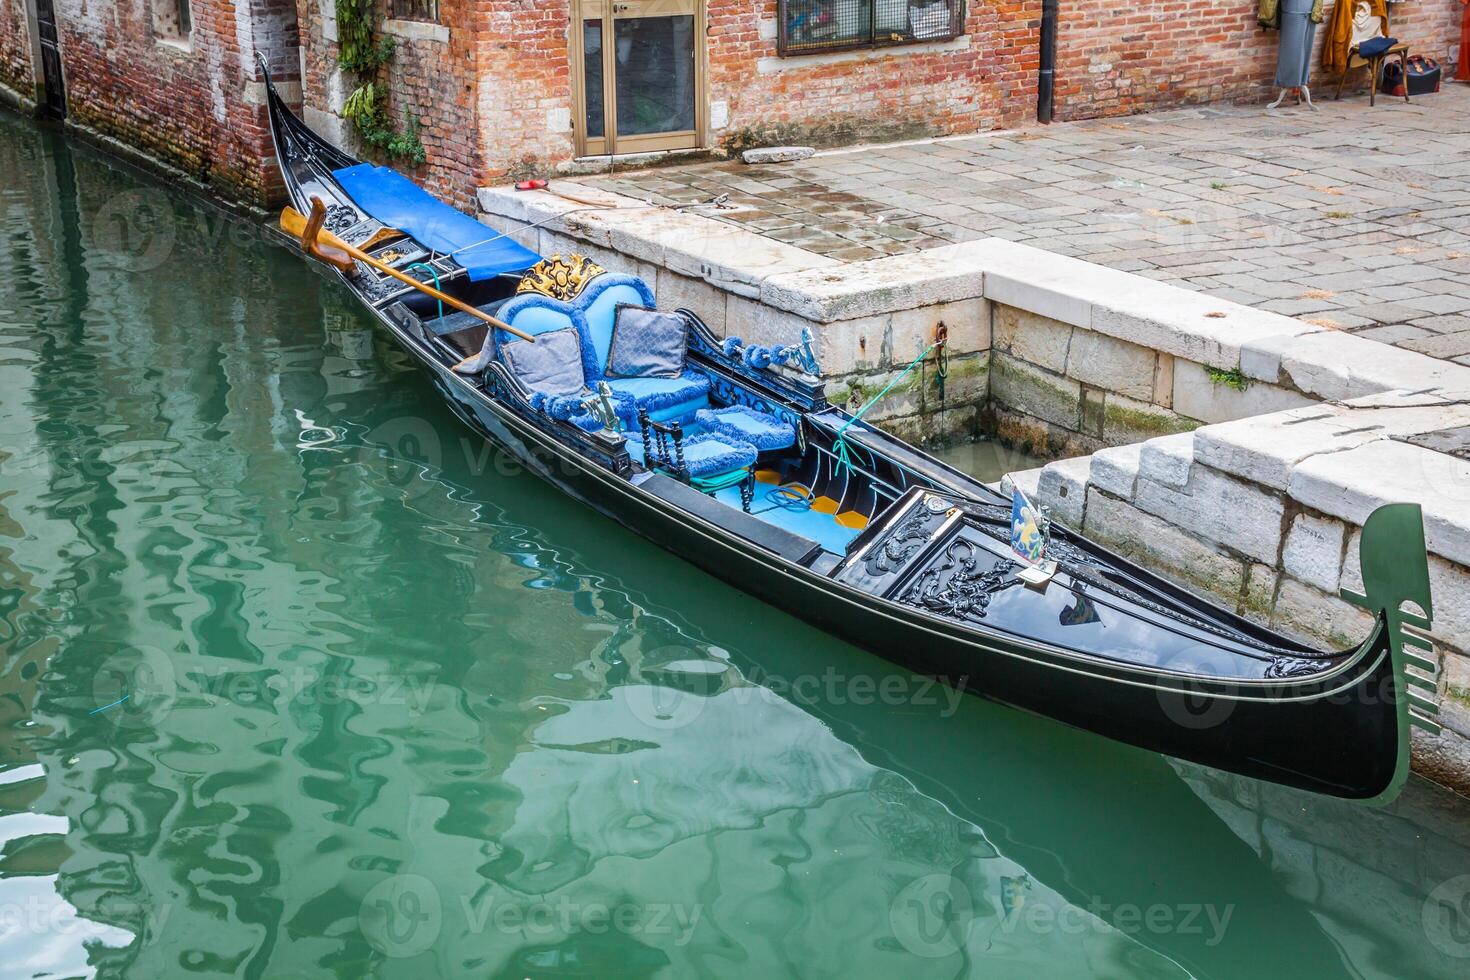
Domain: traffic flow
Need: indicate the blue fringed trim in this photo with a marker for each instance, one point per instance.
(766, 433)
(722, 455)
(758, 357)
(731, 346)
(587, 422)
(565, 408)
(695, 384)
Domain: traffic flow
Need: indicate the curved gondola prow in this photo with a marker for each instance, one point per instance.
(299, 149)
(1395, 571)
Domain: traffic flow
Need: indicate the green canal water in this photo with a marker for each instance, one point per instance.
(298, 679)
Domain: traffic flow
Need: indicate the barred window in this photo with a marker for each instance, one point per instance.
(833, 25)
(427, 10)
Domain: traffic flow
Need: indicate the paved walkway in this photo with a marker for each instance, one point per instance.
(1353, 217)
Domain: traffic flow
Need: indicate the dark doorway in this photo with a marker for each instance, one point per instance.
(54, 102)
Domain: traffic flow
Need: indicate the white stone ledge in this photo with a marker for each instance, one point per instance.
(1351, 485)
(1331, 365)
(775, 66)
(1266, 449)
(730, 258)
(417, 30)
(886, 285)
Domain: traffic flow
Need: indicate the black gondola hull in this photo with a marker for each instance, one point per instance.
(1341, 732)
(1296, 743)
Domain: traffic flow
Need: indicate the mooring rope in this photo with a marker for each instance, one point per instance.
(839, 445)
(435, 273)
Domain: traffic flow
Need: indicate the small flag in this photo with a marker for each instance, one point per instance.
(1026, 537)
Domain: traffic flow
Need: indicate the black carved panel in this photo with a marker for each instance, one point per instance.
(960, 581)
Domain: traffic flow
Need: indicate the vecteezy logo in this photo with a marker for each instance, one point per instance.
(401, 916)
(134, 687)
(410, 447)
(1190, 706)
(1446, 917)
(932, 916)
(134, 231)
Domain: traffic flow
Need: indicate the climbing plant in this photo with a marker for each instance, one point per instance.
(362, 52)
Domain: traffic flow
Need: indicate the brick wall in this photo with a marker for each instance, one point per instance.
(185, 104)
(15, 48)
(985, 80)
(1114, 59)
(525, 87)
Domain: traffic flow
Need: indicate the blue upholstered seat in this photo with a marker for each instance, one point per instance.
(664, 398)
(740, 422)
(593, 313)
(705, 454)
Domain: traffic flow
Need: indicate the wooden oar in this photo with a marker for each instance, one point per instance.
(324, 246)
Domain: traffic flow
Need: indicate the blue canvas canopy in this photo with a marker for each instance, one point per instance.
(399, 203)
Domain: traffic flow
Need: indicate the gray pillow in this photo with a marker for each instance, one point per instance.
(647, 343)
(553, 364)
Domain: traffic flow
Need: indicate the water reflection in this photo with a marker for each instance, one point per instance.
(300, 679)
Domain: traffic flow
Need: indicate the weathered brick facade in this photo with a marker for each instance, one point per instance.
(15, 49)
(193, 102)
(1116, 59)
(490, 84)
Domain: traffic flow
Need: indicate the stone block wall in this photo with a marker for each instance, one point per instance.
(1115, 60)
(1265, 514)
(1061, 390)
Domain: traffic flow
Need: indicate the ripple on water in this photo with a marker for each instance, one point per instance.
(300, 679)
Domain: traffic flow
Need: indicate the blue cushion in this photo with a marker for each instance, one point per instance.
(599, 305)
(647, 343)
(553, 364)
(710, 455)
(764, 432)
(399, 203)
(663, 398)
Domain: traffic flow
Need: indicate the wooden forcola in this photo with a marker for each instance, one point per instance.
(326, 247)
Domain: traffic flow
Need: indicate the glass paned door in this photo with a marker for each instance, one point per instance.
(640, 70)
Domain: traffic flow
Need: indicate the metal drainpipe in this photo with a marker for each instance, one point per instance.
(1046, 77)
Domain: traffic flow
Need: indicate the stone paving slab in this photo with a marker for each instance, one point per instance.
(1352, 218)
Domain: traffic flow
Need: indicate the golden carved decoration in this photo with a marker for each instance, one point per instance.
(560, 278)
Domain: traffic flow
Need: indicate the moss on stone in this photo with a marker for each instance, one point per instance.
(1146, 424)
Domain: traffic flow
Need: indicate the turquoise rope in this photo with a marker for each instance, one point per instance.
(435, 273)
(839, 446)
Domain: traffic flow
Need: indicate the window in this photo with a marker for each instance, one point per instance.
(172, 21)
(808, 26)
(425, 10)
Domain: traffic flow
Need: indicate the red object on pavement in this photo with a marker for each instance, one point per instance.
(1462, 70)
(531, 185)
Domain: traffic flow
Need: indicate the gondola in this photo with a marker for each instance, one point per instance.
(735, 461)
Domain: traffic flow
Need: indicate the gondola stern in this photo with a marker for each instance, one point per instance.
(1395, 574)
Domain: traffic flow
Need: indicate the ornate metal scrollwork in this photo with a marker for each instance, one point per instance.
(899, 545)
(1283, 667)
(560, 278)
(339, 218)
(953, 586)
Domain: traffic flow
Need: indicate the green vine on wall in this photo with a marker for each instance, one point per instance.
(363, 53)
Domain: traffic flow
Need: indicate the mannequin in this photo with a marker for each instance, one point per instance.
(1298, 21)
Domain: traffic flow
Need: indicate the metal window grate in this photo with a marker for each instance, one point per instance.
(833, 25)
(414, 10)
